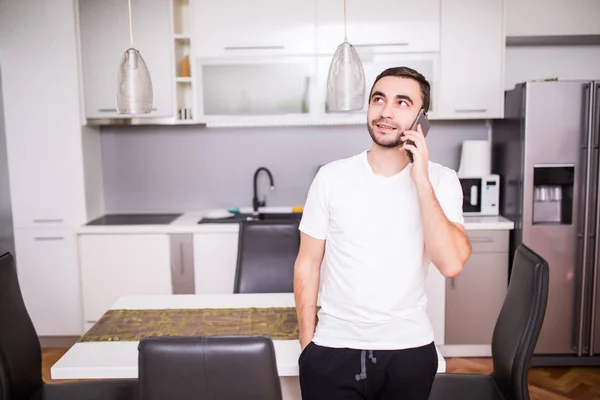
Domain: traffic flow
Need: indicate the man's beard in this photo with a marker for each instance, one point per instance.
(390, 144)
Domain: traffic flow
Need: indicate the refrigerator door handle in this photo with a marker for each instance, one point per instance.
(595, 132)
(587, 145)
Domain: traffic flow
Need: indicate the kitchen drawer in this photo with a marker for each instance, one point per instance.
(489, 241)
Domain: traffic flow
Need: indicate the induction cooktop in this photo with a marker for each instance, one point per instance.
(135, 219)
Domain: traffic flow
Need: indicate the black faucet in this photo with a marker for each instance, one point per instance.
(255, 202)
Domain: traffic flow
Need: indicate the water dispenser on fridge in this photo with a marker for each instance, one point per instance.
(553, 194)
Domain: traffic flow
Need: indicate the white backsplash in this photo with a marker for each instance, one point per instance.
(179, 168)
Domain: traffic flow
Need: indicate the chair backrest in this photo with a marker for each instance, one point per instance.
(519, 323)
(267, 252)
(217, 367)
(20, 351)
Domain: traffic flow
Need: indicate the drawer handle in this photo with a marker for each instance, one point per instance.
(482, 240)
(228, 48)
(48, 238)
(381, 44)
(470, 110)
(47, 220)
(181, 256)
(113, 109)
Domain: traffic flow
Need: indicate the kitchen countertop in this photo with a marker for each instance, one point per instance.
(187, 222)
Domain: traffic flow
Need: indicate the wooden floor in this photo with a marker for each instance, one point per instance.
(544, 383)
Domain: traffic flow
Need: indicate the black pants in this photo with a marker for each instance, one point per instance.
(342, 373)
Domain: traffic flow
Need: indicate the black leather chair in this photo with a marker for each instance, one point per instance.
(191, 368)
(21, 354)
(514, 339)
(267, 252)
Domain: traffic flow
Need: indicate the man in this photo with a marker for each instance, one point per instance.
(376, 221)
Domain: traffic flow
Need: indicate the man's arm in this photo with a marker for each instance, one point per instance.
(446, 243)
(307, 270)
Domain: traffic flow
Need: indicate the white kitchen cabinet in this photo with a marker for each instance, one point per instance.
(215, 261)
(262, 27)
(380, 25)
(472, 59)
(47, 175)
(41, 114)
(552, 17)
(475, 297)
(49, 279)
(261, 86)
(104, 32)
(47, 148)
(115, 265)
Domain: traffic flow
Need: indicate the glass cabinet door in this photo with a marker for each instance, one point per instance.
(265, 87)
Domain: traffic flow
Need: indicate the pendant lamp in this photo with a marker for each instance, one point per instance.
(346, 79)
(134, 91)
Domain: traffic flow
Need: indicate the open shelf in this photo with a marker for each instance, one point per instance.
(182, 50)
(182, 44)
(181, 17)
(185, 101)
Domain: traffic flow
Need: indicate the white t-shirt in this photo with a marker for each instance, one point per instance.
(372, 289)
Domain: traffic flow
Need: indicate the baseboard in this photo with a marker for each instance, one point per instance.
(466, 350)
(58, 341)
(564, 361)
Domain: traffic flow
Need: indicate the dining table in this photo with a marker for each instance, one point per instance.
(109, 349)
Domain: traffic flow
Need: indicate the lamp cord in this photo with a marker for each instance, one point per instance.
(130, 24)
(345, 35)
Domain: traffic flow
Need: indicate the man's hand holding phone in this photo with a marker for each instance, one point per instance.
(416, 148)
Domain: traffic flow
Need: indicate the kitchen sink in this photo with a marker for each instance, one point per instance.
(251, 217)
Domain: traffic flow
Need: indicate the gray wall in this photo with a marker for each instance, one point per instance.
(7, 242)
(183, 168)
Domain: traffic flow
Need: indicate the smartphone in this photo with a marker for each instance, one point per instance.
(424, 122)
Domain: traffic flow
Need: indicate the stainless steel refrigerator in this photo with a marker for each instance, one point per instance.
(7, 242)
(546, 151)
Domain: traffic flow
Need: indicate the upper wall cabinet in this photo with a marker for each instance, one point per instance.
(379, 25)
(472, 60)
(227, 28)
(104, 30)
(552, 17)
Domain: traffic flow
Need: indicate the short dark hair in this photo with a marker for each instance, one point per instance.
(406, 72)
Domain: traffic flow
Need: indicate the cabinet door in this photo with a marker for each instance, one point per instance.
(474, 299)
(232, 27)
(215, 261)
(41, 114)
(472, 59)
(104, 30)
(552, 17)
(255, 87)
(380, 25)
(119, 265)
(49, 280)
(46, 177)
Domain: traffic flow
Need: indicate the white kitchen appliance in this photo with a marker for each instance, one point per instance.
(481, 195)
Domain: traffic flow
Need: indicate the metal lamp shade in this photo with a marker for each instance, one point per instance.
(346, 80)
(135, 86)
